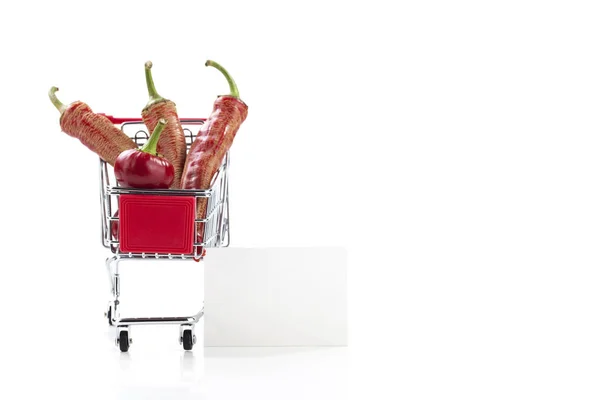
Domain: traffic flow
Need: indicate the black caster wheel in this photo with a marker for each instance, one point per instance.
(124, 341)
(109, 316)
(188, 340)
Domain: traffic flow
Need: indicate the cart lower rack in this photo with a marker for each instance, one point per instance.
(173, 236)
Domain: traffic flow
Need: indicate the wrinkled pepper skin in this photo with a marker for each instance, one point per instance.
(213, 141)
(94, 131)
(172, 143)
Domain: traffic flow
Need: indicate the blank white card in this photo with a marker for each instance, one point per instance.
(277, 296)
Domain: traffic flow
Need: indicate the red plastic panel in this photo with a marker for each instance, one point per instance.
(156, 224)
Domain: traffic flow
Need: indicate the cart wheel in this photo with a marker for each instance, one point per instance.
(109, 316)
(188, 340)
(124, 341)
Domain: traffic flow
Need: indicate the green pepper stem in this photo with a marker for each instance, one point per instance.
(150, 146)
(152, 93)
(232, 86)
(57, 103)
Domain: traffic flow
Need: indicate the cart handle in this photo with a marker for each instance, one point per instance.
(118, 120)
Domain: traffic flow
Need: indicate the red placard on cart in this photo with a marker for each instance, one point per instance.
(156, 224)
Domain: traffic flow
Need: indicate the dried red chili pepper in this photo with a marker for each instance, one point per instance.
(95, 131)
(172, 141)
(212, 142)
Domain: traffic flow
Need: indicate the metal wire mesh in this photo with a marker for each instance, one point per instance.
(216, 222)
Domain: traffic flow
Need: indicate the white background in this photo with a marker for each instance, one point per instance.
(452, 147)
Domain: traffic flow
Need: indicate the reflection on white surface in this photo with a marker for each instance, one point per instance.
(234, 373)
(188, 364)
(156, 367)
(155, 373)
(276, 372)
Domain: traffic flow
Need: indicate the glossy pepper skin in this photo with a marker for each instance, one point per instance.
(212, 142)
(114, 226)
(172, 141)
(145, 168)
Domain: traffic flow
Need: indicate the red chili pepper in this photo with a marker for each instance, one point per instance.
(172, 141)
(145, 168)
(95, 131)
(212, 142)
(114, 226)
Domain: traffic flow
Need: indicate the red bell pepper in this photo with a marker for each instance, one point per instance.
(145, 168)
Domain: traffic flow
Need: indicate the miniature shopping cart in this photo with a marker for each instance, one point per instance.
(172, 234)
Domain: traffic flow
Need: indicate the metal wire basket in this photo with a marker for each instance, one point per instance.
(216, 222)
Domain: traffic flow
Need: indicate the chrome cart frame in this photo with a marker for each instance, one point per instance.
(216, 232)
